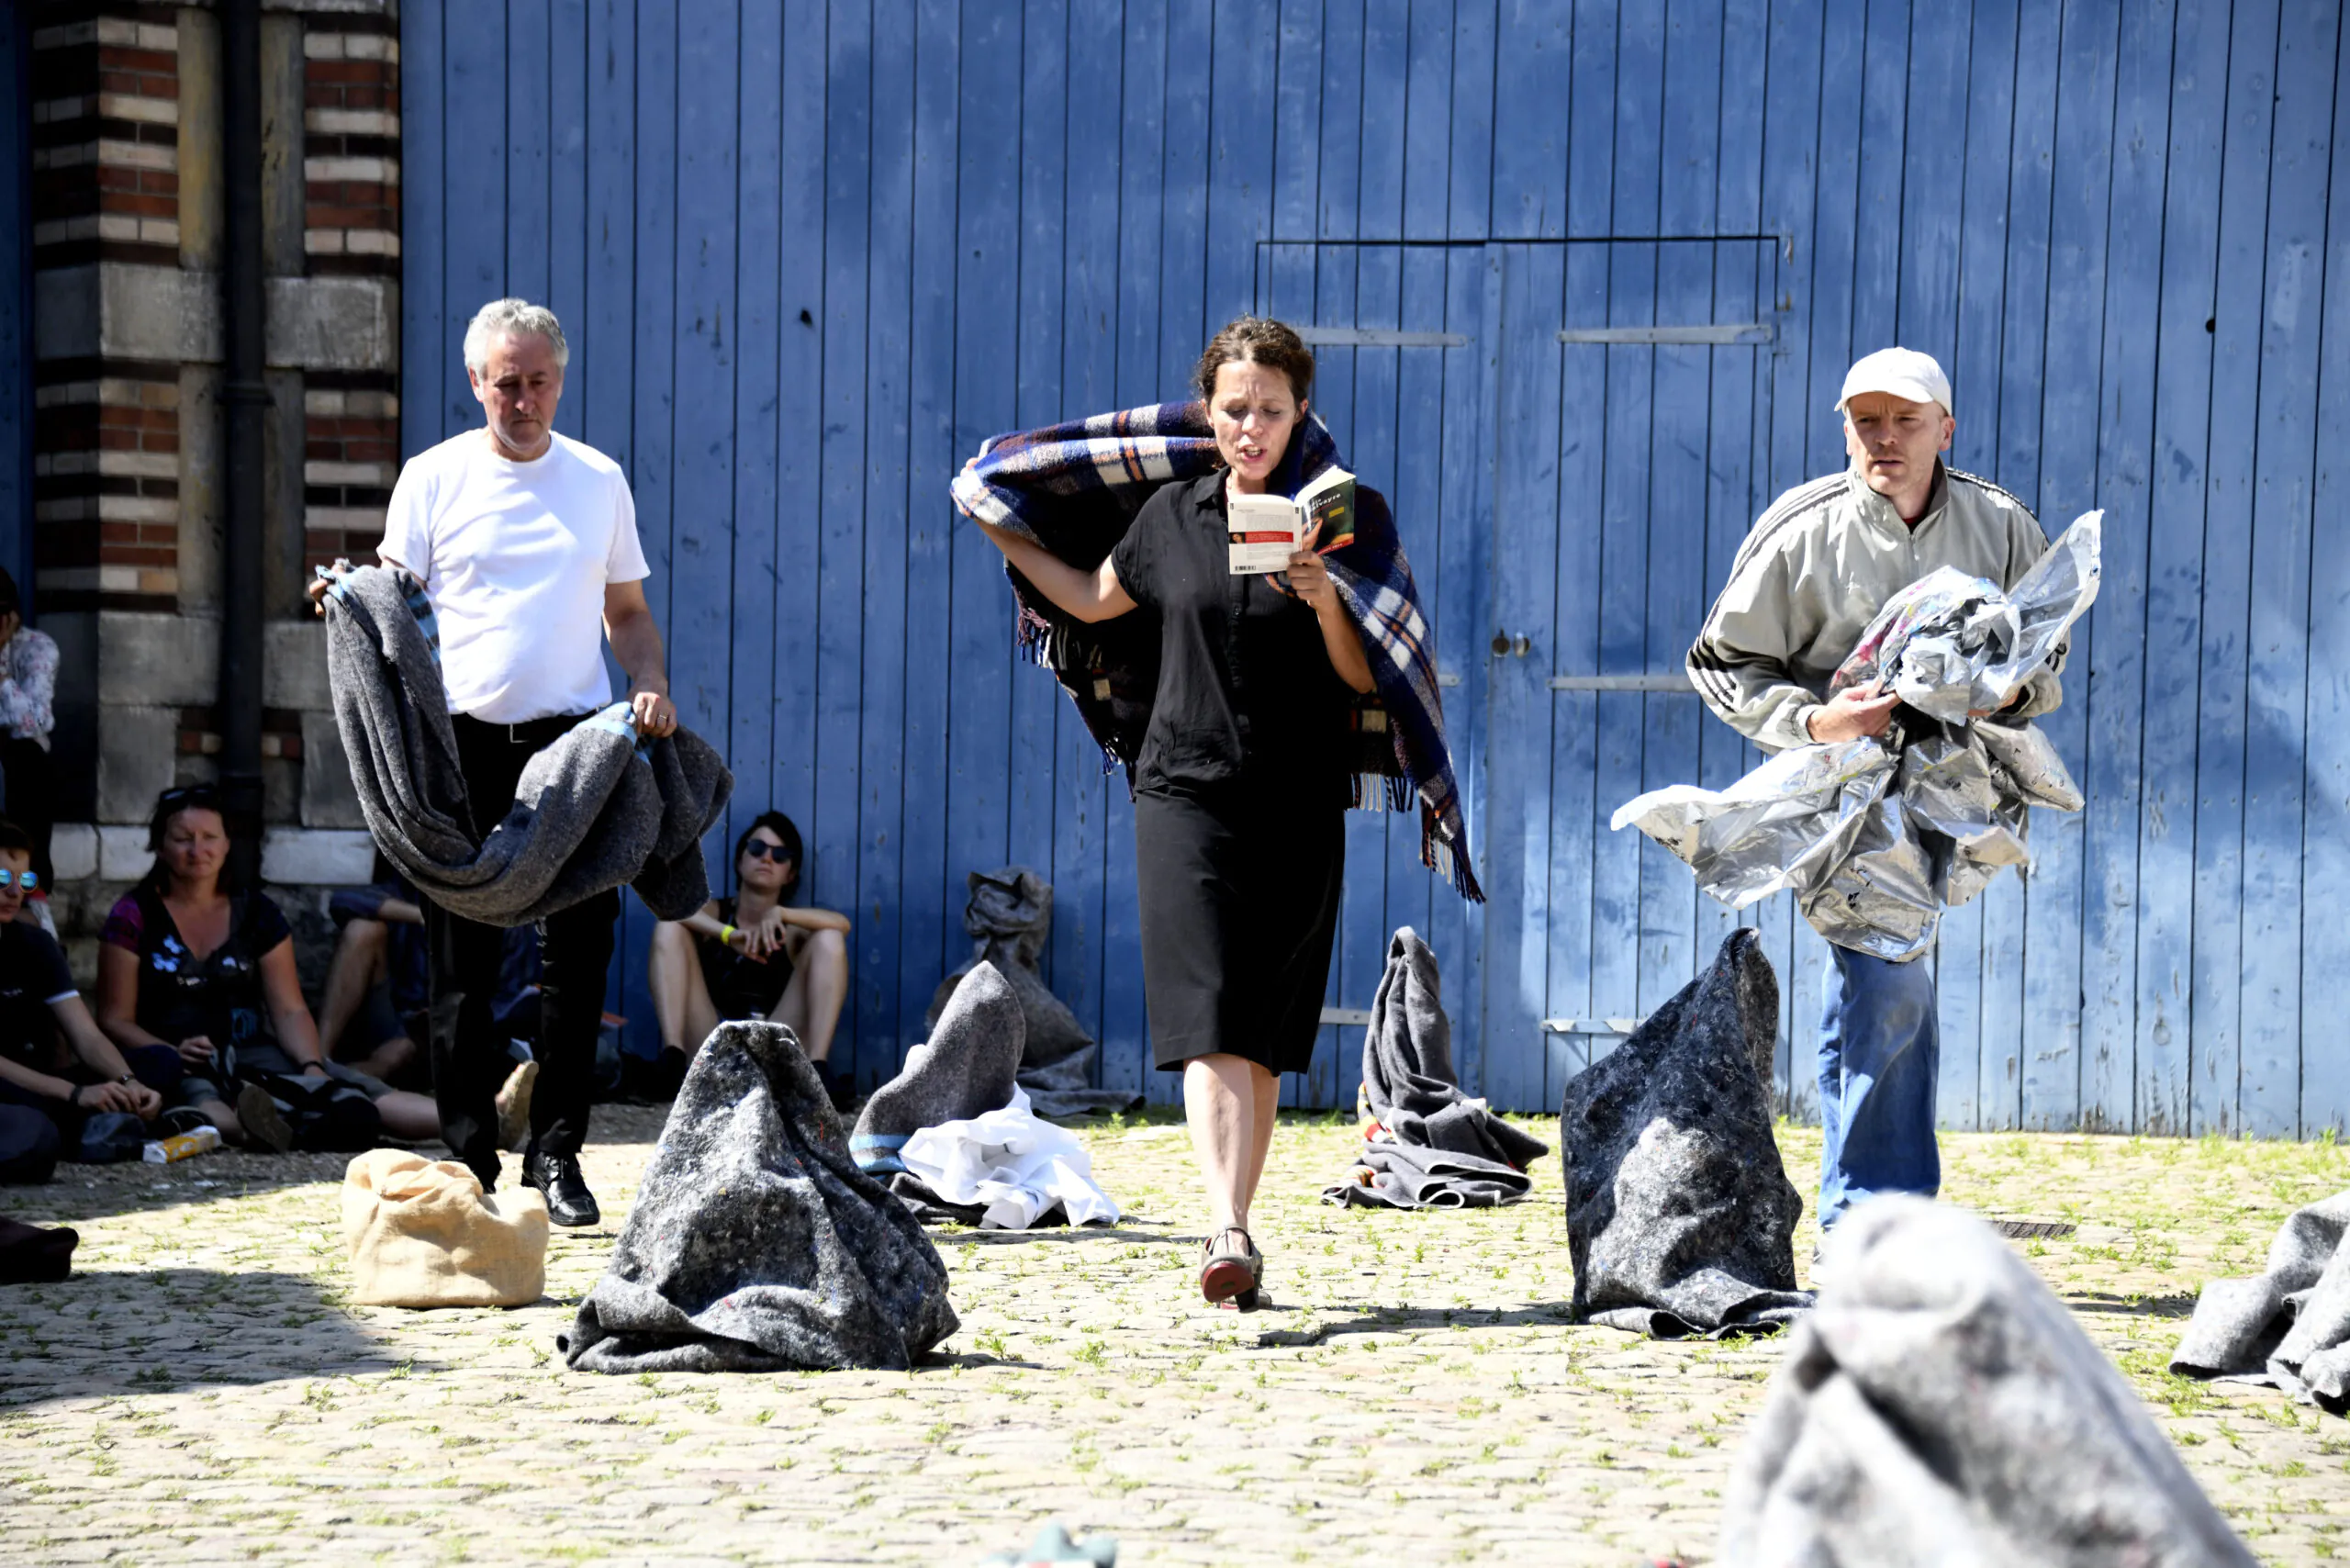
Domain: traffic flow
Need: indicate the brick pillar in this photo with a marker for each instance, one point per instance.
(129, 432)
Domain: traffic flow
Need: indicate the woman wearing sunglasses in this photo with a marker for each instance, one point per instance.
(751, 956)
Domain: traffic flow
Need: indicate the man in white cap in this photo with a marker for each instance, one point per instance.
(1815, 570)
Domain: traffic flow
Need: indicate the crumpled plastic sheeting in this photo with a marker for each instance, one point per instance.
(1942, 1407)
(2288, 1328)
(1012, 1166)
(1874, 839)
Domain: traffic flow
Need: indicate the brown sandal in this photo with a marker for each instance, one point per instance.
(1227, 1271)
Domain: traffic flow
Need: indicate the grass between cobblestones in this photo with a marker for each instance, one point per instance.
(200, 1391)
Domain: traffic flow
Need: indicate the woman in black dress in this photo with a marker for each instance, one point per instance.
(1242, 784)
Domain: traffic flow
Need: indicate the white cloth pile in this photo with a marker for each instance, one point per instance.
(1012, 1165)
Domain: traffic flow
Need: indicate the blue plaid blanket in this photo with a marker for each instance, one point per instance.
(1075, 488)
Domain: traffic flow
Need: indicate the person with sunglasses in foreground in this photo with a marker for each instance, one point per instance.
(752, 955)
(65, 1091)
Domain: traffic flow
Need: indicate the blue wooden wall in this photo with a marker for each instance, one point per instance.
(810, 256)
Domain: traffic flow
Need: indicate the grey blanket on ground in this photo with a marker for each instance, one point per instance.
(1435, 1147)
(1680, 1216)
(2289, 1327)
(592, 810)
(1010, 917)
(755, 1244)
(1942, 1407)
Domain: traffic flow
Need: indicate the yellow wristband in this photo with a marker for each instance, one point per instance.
(725, 935)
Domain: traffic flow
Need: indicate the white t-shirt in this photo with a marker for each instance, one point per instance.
(515, 557)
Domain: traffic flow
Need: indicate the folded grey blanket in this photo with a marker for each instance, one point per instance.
(2290, 1326)
(1680, 1216)
(1433, 1145)
(594, 810)
(1942, 1407)
(1010, 914)
(755, 1244)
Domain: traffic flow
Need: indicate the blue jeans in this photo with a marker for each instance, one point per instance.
(1880, 1049)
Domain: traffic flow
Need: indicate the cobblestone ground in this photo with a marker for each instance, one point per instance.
(199, 1393)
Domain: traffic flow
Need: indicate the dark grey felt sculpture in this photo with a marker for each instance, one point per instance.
(1942, 1407)
(2289, 1327)
(755, 1244)
(966, 1068)
(1443, 1148)
(1010, 917)
(1680, 1217)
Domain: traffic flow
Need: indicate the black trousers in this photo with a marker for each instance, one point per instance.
(469, 1056)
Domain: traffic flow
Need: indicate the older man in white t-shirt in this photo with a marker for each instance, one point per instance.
(526, 542)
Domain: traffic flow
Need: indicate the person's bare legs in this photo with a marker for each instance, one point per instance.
(1230, 1103)
(415, 1117)
(680, 996)
(388, 1057)
(811, 1004)
(357, 968)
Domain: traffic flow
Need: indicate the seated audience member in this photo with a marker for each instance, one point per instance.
(378, 986)
(752, 955)
(65, 1091)
(188, 962)
(27, 693)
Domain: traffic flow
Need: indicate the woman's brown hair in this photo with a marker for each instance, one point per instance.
(1257, 340)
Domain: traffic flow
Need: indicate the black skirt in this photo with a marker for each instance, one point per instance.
(1240, 893)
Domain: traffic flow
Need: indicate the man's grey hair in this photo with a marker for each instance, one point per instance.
(501, 317)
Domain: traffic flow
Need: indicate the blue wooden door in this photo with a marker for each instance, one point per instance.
(1402, 377)
(1633, 417)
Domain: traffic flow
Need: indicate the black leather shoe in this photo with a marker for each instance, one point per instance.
(569, 1202)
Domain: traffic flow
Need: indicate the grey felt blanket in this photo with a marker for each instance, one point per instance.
(1010, 917)
(593, 810)
(755, 1244)
(1434, 1145)
(2289, 1327)
(1942, 1407)
(1680, 1216)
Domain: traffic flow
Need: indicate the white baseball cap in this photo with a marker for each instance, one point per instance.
(1902, 373)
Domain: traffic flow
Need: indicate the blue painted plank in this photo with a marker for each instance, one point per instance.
(16, 303)
(1427, 101)
(701, 536)
(2236, 314)
(2277, 672)
(1517, 816)
(2326, 942)
(2082, 181)
(1973, 366)
(1184, 171)
(1933, 180)
(427, 345)
(474, 251)
(1533, 77)
(567, 173)
(887, 1020)
(1835, 244)
(1088, 382)
(654, 364)
(2005, 1010)
(1475, 28)
(2115, 668)
(932, 936)
(1297, 156)
(1139, 379)
(599, 388)
(1243, 142)
(1880, 249)
(1042, 189)
(2163, 1006)
(530, 103)
(790, 779)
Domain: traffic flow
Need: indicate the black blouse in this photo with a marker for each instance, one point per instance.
(1246, 690)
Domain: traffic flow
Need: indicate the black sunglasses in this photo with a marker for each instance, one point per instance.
(758, 847)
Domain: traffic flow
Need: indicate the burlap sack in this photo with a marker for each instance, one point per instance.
(421, 1233)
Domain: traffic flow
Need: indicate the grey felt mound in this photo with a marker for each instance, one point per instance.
(591, 812)
(2289, 1327)
(755, 1244)
(1445, 1149)
(1680, 1217)
(1010, 917)
(1940, 1408)
(966, 1068)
